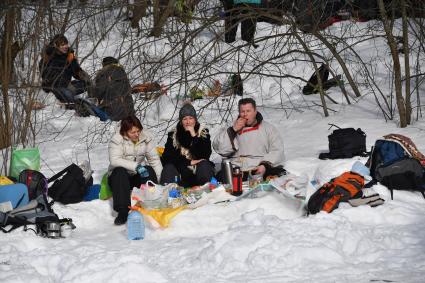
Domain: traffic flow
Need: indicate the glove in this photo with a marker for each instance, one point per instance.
(371, 200)
(142, 171)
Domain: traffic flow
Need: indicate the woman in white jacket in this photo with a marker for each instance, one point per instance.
(133, 161)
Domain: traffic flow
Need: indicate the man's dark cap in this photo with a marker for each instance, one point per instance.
(109, 60)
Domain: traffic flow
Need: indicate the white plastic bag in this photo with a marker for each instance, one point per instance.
(291, 185)
(154, 196)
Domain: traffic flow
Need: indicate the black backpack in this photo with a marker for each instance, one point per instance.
(35, 181)
(394, 167)
(72, 187)
(346, 143)
(311, 86)
(237, 84)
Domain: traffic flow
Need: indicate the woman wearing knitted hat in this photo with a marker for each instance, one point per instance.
(187, 151)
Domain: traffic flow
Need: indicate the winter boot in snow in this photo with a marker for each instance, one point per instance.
(121, 218)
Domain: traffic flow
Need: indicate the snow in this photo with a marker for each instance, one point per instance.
(264, 239)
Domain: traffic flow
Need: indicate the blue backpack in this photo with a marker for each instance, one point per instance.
(394, 167)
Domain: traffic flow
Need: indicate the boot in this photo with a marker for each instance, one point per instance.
(121, 218)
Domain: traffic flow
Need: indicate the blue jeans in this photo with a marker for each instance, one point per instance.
(66, 94)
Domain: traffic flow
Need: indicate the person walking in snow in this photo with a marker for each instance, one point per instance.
(251, 143)
(133, 161)
(187, 152)
(112, 90)
(57, 67)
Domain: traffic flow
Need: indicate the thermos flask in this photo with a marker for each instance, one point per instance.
(227, 168)
(237, 181)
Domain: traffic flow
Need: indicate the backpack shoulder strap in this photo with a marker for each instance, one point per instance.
(59, 174)
(18, 222)
(11, 229)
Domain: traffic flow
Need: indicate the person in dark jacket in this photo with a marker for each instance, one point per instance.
(240, 11)
(57, 67)
(187, 152)
(112, 89)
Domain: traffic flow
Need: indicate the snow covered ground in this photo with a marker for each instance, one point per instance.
(266, 239)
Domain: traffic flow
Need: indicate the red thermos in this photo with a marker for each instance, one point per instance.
(237, 181)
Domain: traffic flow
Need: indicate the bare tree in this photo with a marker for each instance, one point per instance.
(184, 48)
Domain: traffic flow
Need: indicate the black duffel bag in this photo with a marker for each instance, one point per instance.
(346, 143)
(72, 187)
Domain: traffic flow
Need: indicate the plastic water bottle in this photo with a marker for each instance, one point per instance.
(143, 172)
(135, 226)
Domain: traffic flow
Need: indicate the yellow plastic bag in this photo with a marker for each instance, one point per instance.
(162, 216)
(5, 181)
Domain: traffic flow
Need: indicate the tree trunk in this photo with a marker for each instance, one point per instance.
(139, 11)
(160, 16)
(319, 79)
(396, 65)
(6, 57)
(66, 18)
(340, 61)
(406, 52)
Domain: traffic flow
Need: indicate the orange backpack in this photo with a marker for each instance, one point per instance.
(342, 188)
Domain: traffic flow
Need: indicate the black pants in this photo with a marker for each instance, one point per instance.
(247, 17)
(121, 184)
(203, 174)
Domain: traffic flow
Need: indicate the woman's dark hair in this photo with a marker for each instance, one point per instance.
(128, 123)
(59, 39)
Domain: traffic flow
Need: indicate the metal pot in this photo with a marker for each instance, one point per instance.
(52, 229)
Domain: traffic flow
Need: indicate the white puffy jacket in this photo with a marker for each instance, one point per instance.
(124, 153)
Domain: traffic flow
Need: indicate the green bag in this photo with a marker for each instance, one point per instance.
(26, 158)
(105, 190)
